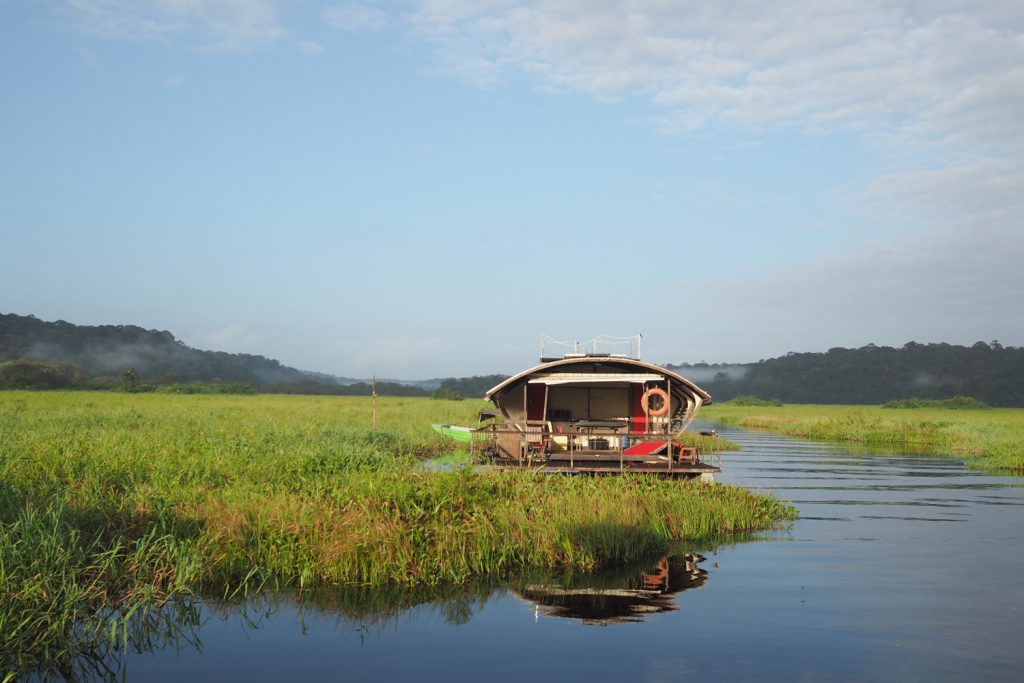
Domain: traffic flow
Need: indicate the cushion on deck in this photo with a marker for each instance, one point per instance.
(645, 448)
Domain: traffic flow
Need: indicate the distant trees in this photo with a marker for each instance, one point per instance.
(957, 402)
(207, 388)
(447, 395)
(129, 380)
(357, 389)
(35, 354)
(990, 372)
(109, 350)
(472, 387)
(30, 374)
(756, 402)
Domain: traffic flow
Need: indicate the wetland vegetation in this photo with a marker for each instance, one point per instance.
(991, 439)
(115, 504)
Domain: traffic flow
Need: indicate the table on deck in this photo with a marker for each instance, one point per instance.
(590, 425)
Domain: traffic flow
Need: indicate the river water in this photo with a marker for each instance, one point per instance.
(901, 567)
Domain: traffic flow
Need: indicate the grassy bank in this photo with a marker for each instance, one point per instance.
(990, 439)
(111, 503)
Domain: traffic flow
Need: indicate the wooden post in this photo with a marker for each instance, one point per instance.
(647, 414)
(668, 418)
(621, 449)
(525, 424)
(572, 445)
(622, 458)
(545, 444)
(544, 414)
(373, 393)
(526, 405)
(668, 405)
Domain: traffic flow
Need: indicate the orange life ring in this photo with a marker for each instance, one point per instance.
(658, 412)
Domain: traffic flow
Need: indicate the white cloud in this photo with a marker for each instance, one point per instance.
(310, 47)
(856, 64)
(204, 24)
(355, 17)
(936, 87)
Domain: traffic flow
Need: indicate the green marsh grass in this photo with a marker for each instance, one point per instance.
(991, 439)
(112, 503)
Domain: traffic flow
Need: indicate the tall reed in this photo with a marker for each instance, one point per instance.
(111, 504)
(991, 439)
(64, 593)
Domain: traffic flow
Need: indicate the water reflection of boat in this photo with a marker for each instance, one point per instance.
(624, 599)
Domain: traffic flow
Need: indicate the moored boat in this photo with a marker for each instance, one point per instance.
(458, 433)
(589, 411)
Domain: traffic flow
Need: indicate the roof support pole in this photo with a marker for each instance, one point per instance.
(668, 419)
(526, 407)
(647, 414)
(525, 424)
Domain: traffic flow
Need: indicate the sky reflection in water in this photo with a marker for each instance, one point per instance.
(900, 568)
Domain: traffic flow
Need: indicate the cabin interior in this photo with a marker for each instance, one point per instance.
(599, 414)
(594, 407)
(617, 406)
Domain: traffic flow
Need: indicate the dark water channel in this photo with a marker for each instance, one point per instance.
(901, 568)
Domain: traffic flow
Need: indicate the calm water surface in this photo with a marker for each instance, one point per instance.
(900, 568)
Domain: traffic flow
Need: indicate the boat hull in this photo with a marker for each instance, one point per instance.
(464, 434)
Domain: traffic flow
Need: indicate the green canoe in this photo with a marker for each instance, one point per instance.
(457, 433)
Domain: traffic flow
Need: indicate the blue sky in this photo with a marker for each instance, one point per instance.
(422, 188)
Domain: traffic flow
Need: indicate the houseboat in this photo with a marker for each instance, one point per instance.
(598, 412)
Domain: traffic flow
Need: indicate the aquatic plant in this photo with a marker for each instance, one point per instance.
(63, 593)
(957, 402)
(755, 401)
(112, 503)
(991, 439)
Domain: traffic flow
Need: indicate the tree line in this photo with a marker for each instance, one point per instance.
(35, 354)
(986, 371)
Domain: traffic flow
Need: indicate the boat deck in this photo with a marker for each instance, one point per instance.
(662, 468)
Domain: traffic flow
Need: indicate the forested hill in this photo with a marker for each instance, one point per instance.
(109, 350)
(60, 354)
(36, 354)
(872, 375)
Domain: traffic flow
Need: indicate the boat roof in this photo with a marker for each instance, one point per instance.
(634, 368)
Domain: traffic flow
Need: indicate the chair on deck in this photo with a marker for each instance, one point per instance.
(537, 437)
(684, 453)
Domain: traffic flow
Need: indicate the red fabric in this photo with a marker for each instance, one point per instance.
(535, 401)
(645, 448)
(639, 420)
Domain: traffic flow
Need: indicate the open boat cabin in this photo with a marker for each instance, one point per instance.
(596, 412)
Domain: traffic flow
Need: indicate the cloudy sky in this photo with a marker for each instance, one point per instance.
(423, 188)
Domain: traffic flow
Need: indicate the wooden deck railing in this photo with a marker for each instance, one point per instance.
(536, 443)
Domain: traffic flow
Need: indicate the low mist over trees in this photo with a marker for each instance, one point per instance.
(109, 350)
(35, 354)
(471, 387)
(25, 374)
(872, 374)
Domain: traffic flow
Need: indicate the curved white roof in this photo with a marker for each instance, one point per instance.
(566, 363)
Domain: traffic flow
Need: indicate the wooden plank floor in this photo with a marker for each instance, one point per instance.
(660, 468)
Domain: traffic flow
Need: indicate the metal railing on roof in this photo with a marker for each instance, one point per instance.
(601, 345)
